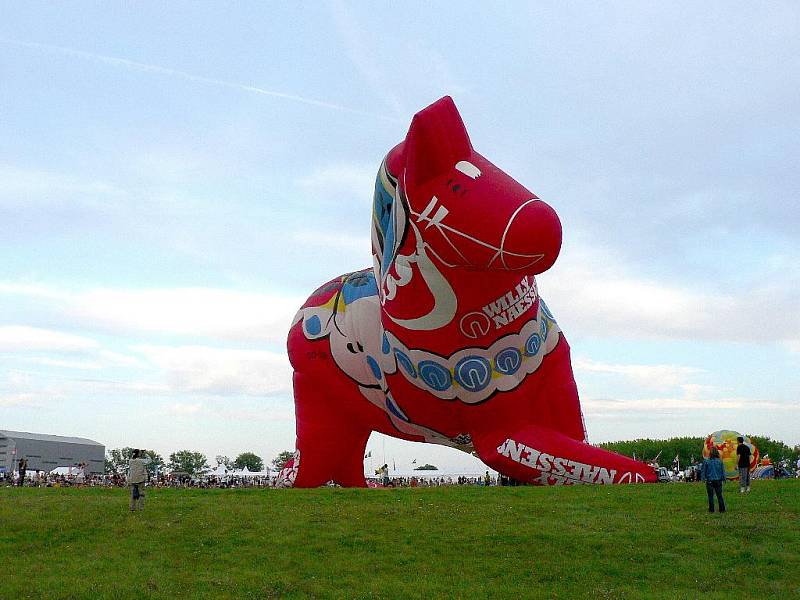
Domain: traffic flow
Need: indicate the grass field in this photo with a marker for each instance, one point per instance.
(647, 541)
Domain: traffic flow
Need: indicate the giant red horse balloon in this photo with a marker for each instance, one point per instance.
(445, 340)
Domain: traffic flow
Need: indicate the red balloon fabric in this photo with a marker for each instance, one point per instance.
(446, 339)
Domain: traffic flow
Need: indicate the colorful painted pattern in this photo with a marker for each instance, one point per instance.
(471, 375)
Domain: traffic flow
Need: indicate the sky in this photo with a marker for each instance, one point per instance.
(175, 179)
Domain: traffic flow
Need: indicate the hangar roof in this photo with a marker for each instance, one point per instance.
(43, 437)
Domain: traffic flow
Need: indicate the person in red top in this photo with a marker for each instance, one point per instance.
(743, 452)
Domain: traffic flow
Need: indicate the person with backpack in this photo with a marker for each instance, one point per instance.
(712, 471)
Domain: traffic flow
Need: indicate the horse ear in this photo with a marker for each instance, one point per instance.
(436, 141)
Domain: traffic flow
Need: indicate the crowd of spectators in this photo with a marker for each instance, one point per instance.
(75, 478)
(427, 481)
(432, 480)
(79, 478)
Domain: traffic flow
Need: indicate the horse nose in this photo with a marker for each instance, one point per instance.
(532, 238)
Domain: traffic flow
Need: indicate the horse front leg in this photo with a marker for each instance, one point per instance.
(544, 456)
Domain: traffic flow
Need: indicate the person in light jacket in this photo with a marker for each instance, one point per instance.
(712, 471)
(137, 477)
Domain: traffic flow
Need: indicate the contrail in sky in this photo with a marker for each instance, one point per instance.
(146, 68)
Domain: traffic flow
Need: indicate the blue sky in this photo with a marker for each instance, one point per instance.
(175, 179)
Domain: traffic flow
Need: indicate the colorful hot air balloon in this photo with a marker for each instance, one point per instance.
(445, 339)
(726, 442)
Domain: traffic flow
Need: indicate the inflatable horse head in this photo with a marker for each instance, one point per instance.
(445, 218)
(445, 339)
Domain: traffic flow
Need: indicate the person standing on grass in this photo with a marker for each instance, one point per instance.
(712, 471)
(743, 452)
(385, 475)
(23, 469)
(137, 477)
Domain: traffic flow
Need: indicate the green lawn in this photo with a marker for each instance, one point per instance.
(646, 541)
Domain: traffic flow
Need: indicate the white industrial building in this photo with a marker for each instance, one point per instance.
(46, 452)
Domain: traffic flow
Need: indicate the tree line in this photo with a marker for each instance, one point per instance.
(687, 449)
(690, 449)
(189, 462)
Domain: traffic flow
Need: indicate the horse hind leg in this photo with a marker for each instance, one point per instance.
(330, 439)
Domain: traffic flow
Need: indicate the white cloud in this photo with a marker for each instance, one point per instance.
(199, 409)
(27, 400)
(688, 397)
(19, 338)
(667, 404)
(190, 311)
(219, 371)
(273, 414)
(66, 364)
(108, 386)
(33, 290)
(592, 292)
(109, 358)
(681, 398)
(195, 312)
(646, 375)
(90, 354)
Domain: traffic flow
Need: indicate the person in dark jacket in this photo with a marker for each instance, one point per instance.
(23, 469)
(712, 471)
(743, 454)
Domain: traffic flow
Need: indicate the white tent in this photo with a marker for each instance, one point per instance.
(65, 471)
(220, 471)
(248, 473)
(452, 473)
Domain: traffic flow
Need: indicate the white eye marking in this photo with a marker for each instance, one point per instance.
(468, 169)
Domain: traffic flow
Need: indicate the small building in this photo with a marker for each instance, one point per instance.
(46, 452)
